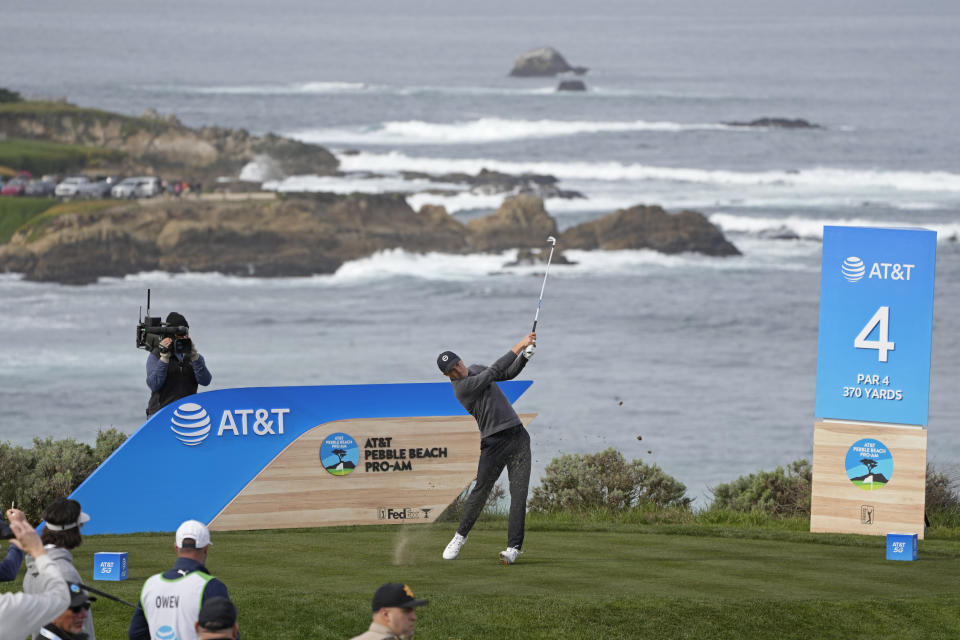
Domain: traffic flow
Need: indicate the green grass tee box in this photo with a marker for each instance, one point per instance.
(618, 581)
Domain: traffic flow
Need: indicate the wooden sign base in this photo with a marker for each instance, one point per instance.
(408, 471)
(868, 478)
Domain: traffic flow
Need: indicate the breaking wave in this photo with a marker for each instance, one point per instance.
(483, 130)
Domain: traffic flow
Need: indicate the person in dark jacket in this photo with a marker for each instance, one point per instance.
(504, 442)
(10, 565)
(175, 373)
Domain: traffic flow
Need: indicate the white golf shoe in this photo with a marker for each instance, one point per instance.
(509, 555)
(454, 546)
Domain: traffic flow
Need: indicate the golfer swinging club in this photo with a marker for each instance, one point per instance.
(504, 441)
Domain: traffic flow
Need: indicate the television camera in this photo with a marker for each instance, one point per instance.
(151, 330)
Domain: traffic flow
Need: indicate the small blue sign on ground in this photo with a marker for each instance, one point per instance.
(110, 565)
(902, 546)
(876, 324)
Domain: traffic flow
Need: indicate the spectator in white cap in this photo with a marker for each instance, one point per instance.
(172, 600)
(62, 521)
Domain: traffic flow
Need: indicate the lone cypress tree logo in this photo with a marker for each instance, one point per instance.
(339, 454)
(869, 464)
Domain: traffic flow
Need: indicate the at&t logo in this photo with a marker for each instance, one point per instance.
(166, 632)
(191, 424)
(853, 269)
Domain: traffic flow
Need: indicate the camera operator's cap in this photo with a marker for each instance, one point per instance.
(194, 531)
(447, 361)
(217, 614)
(78, 595)
(394, 594)
(63, 514)
(174, 319)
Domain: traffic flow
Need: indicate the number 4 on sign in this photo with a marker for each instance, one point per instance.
(882, 344)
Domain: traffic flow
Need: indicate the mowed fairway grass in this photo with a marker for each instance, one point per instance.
(572, 581)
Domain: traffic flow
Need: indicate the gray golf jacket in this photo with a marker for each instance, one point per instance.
(480, 396)
(63, 560)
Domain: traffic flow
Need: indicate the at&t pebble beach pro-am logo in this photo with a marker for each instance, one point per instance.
(869, 464)
(339, 454)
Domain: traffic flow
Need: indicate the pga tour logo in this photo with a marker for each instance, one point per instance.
(191, 424)
(853, 269)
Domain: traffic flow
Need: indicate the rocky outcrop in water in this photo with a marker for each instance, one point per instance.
(650, 227)
(521, 221)
(545, 61)
(776, 123)
(572, 85)
(487, 182)
(314, 234)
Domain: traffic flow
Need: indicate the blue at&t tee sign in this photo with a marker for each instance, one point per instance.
(876, 321)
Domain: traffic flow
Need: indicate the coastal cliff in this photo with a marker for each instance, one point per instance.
(153, 145)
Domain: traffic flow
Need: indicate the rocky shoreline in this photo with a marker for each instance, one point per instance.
(307, 234)
(288, 234)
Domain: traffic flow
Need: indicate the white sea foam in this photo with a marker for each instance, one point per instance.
(815, 177)
(483, 130)
(433, 266)
(812, 227)
(320, 87)
(355, 184)
(278, 89)
(608, 196)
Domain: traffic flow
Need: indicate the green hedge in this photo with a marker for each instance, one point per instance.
(33, 477)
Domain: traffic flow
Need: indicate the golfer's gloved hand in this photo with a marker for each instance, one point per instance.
(529, 351)
(194, 354)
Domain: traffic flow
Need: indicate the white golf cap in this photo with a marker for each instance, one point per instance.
(193, 530)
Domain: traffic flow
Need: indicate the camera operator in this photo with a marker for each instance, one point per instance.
(174, 367)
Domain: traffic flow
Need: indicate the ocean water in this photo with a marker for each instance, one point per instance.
(710, 361)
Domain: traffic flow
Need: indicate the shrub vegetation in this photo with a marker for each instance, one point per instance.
(605, 480)
(6, 95)
(781, 492)
(33, 477)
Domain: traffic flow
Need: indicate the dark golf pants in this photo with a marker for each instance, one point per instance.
(509, 448)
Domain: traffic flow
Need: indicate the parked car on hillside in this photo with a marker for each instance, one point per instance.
(15, 187)
(96, 189)
(141, 187)
(41, 188)
(68, 188)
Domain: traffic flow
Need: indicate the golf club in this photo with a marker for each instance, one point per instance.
(553, 245)
(106, 595)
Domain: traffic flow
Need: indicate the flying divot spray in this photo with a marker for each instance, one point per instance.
(873, 380)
